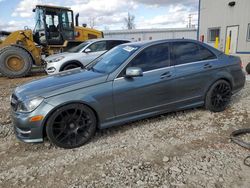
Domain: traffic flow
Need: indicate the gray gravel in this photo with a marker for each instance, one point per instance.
(185, 149)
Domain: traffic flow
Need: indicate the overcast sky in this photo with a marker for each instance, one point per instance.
(108, 14)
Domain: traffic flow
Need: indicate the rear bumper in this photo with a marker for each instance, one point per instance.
(239, 82)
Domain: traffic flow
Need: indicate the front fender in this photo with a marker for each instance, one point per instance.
(98, 97)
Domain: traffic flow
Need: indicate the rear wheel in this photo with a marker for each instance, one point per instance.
(218, 96)
(70, 66)
(71, 126)
(15, 62)
(248, 68)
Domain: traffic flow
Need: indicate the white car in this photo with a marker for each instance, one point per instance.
(80, 55)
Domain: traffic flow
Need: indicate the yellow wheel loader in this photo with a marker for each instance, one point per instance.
(54, 32)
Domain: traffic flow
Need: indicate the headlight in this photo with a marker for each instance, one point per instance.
(56, 59)
(29, 105)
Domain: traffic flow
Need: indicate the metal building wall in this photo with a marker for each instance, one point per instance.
(152, 34)
(217, 13)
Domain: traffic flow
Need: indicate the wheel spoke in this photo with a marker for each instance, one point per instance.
(60, 133)
(220, 95)
(63, 138)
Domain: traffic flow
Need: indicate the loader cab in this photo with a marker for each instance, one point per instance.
(54, 25)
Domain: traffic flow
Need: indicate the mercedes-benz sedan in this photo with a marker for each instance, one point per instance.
(130, 82)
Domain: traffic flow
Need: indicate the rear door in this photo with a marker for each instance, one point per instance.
(149, 93)
(193, 64)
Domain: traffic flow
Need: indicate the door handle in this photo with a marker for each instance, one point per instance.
(207, 66)
(166, 75)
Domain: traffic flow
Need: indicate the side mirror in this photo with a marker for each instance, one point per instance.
(87, 50)
(133, 72)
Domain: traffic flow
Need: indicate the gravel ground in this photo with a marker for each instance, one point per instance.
(182, 149)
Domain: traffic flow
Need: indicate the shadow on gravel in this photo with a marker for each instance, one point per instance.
(6, 132)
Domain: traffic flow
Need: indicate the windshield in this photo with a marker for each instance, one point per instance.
(78, 48)
(111, 60)
(39, 20)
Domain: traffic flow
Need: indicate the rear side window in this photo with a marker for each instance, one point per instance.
(188, 52)
(98, 46)
(113, 43)
(153, 57)
(205, 54)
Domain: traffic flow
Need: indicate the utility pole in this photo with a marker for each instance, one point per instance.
(190, 21)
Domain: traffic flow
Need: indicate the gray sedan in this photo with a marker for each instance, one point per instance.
(80, 55)
(130, 82)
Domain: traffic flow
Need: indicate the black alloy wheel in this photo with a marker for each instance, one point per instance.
(71, 126)
(218, 96)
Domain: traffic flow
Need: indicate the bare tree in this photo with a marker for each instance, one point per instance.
(106, 28)
(130, 21)
(92, 22)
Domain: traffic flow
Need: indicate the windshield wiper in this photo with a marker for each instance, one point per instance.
(95, 70)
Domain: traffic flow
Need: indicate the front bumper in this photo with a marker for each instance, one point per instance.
(28, 131)
(51, 68)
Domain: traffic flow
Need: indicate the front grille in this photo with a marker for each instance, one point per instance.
(14, 102)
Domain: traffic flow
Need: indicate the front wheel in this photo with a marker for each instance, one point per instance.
(71, 126)
(70, 66)
(218, 96)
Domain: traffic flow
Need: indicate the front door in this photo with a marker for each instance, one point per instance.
(232, 32)
(149, 93)
(93, 51)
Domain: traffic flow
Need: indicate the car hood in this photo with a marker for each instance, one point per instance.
(59, 83)
(67, 55)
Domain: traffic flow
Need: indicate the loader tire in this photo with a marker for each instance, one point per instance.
(15, 62)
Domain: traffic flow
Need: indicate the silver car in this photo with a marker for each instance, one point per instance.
(80, 55)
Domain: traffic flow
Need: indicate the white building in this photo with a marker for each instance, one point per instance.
(223, 18)
(152, 34)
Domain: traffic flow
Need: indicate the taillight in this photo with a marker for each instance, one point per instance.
(241, 64)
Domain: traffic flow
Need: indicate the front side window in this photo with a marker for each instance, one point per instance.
(98, 46)
(213, 33)
(188, 52)
(153, 57)
(248, 32)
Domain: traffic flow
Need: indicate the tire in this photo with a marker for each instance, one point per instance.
(70, 66)
(218, 96)
(248, 68)
(15, 62)
(71, 126)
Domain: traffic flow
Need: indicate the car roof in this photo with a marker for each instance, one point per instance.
(150, 42)
(108, 39)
